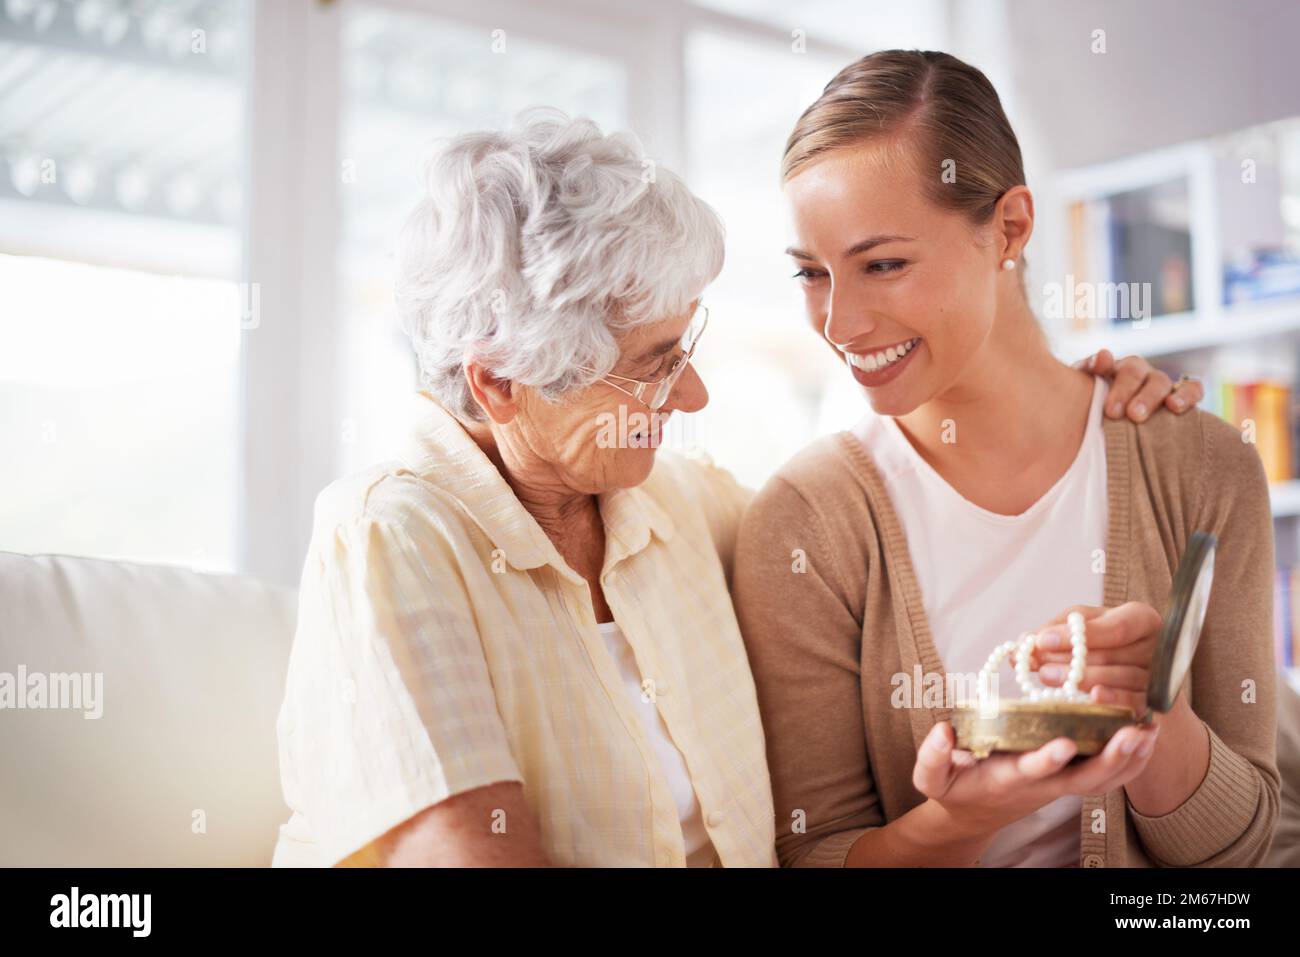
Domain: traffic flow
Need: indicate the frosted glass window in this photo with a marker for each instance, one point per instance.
(410, 79)
(768, 374)
(121, 136)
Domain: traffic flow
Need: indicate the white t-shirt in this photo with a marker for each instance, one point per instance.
(699, 848)
(985, 578)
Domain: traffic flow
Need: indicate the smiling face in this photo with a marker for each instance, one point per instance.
(600, 438)
(904, 290)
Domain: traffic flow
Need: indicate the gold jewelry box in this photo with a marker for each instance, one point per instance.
(1015, 725)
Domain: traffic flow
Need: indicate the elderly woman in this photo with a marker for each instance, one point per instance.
(516, 643)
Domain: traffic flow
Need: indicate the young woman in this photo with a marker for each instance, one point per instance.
(985, 494)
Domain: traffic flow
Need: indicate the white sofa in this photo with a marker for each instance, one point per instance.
(181, 768)
(193, 670)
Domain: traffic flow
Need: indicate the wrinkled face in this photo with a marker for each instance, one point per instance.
(599, 438)
(905, 291)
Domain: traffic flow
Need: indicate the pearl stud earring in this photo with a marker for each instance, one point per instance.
(1008, 264)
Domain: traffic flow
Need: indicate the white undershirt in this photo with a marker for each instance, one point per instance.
(699, 849)
(985, 578)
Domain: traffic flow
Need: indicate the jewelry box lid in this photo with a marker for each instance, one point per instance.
(1188, 599)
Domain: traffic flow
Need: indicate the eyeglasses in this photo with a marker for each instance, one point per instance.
(664, 387)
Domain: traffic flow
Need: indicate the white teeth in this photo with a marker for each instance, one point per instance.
(878, 360)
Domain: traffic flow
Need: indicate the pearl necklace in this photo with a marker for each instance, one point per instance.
(1030, 684)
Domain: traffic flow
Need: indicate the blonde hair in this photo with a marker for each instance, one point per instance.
(931, 110)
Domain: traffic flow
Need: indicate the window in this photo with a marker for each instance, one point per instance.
(119, 207)
(199, 202)
(409, 80)
(766, 371)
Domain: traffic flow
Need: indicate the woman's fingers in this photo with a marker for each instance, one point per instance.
(1135, 701)
(1046, 760)
(1137, 653)
(1135, 749)
(1187, 394)
(933, 770)
(1088, 612)
(1130, 374)
(1112, 628)
(1121, 641)
(1005, 777)
(1123, 759)
(1138, 388)
(963, 759)
(1124, 685)
(1100, 362)
(1122, 625)
(1155, 388)
(1119, 677)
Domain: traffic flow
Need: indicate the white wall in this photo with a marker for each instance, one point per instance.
(1174, 70)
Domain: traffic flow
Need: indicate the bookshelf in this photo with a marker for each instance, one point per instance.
(1172, 336)
(1285, 498)
(1190, 256)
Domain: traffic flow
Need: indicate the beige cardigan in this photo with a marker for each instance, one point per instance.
(824, 643)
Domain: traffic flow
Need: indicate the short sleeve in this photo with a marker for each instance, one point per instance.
(389, 706)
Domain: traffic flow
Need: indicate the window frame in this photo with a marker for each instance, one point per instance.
(289, 415)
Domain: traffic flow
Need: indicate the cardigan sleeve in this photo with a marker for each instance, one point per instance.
(804, 643)
(1228, 820)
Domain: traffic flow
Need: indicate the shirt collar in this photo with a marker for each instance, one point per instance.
(631, 516)
(439, 450)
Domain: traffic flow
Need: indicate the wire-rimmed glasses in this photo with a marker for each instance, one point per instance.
(664, 387)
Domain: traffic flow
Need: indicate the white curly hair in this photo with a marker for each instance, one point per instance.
(535, 247)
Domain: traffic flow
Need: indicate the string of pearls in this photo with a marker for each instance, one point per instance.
(1030, 684)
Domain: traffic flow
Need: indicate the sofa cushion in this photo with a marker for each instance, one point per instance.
(180, 768)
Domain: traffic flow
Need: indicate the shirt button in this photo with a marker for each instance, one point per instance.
(1094, 860)
(714, 819)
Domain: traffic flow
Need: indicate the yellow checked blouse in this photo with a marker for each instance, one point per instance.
(443, 644)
